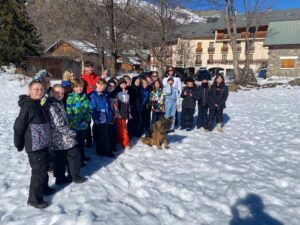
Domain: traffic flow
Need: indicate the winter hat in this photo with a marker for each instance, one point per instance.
(121, 81)
(189, 79)
(204, 76)
(41, 75)
(111, 81)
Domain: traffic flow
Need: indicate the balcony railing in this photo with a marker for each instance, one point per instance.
(211, 49)
(259, 34)
(179, 62)
(255, 61)
(252, 49)
(199, 50)
(224, 49)
(198, 62)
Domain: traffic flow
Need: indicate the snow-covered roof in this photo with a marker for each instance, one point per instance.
(129, 59)
(82, 46)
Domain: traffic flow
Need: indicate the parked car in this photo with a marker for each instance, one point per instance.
(200, 73)
(183, 73)
(263, 73)
(229, 75)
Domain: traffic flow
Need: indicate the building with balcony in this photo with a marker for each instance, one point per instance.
(207, 45)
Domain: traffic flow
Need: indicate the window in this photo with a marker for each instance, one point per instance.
(251, 57)
(198, 58)
(211, 58)
(211, 44)
(224, 57)
(199, 45)
(288, 63)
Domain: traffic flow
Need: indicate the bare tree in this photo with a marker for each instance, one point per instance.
(106, 24)
(161, 23)
(252, 18)
(253, 14)
(230, 17)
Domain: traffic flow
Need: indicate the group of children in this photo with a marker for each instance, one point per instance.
(55, 122)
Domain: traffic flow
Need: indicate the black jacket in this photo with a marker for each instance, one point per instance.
(203, 96)
(218, 95)
(189, 102)
(134, 93)
(32, 127)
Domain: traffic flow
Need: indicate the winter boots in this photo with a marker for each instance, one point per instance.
(219, 127)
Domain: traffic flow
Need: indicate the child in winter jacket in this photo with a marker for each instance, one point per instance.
(102, 117)
(171, 94)
(188, 104)
(157, 101)
(64, 144)
(122, 113)
(79, 115)
(203, 91)
(32, 131)
(144, 97)
(218, 95)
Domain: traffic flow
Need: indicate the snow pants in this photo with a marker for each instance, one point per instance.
(187, 118)
(156, 116)
(80, 138)
(202, 118)
(73, 158)
(39, 163)
(122, 134)
(214, 113)
(134, 124)
(145, 120)
(170, 110)
(102, 139)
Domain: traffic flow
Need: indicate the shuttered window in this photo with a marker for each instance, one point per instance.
(287, 63)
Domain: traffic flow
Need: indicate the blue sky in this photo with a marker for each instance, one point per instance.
(274, 4)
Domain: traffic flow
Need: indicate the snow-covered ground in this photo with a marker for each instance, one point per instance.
(250, 174)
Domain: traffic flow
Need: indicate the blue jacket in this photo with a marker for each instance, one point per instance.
(170, 93)
(100, 106)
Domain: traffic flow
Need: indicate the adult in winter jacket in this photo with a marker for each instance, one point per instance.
(102, 117)
(203, 91)
(189, 96)
(32, 131)
(218, 95)
(66, 83)
(134, 123)
(89, 78)
(64, 144)
(79, 115)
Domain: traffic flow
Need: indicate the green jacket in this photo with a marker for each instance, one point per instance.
(78, 110)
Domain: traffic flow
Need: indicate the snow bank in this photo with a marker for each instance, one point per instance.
(248, 173)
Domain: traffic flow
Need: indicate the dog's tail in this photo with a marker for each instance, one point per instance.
(146, 140)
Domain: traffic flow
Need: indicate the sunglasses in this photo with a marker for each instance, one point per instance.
(170, 70)
(154, 76)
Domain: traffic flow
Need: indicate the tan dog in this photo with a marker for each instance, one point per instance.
(157, 134)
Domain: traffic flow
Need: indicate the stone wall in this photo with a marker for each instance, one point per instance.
(274, 62)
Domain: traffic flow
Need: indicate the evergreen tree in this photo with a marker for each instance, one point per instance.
(18, 36)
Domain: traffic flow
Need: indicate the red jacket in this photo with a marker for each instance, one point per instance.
(90, 82)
